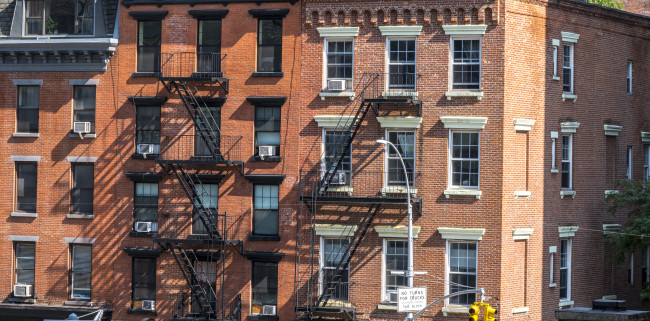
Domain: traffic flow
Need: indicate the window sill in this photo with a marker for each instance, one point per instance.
(463, 93)
(412, 94)
(82, 216)
(455, 309)
(568, 193)
(387, 306)
(146, 74)
(272, 159)
(26, 135)
(566, 96)
(397, 190)
(254, 237)
(143, 234)
(525, 194)
(463, 192)
(73, 135)
(520, 310)
(268, 74)
(142, 156)
(341, 189)
(141, 312)
(565, 303)
(552, 285)
(23, 214)
(556, 78)
(263, 317)
(78, 302)
(337, 94)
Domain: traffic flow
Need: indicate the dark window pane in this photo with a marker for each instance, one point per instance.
(149, 46)
(26, 182)
(269, 45)
(25, 262)
(265, 206)
(81, 271)
(82, 189)
(144, 279)
(27, 113)
(265, 283)
(147, 125)
(84, 105)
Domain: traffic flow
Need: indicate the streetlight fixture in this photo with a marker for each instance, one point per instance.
(409, 270)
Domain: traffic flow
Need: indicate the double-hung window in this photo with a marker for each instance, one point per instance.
(269, 45)
(565, 269)
(26, 186)
(143, 281)
(27, 111)
(80, 271)
(332, 256)
(339, 64)
(206, 274)
(59, 17)
(145, 207)
(213, 125)
(462, 263)
(567, 69)
(645, 264)
(628, 79)
(149, 45)
(395, 260)
(466, 63)
(567, 161)
(209, 197)
(265, 210)
(264, 286)
(464, 159)
(405, 143)
(25, 262)
(84, 105)
(209, 46)
(332, 148)
(83, 182)
(267, 128)
(401, 65)
(147, 129)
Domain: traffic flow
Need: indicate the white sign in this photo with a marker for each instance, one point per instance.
(411, 299)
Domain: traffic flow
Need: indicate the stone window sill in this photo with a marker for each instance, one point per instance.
(389, 94)
(272, 159)
(268, 74)
(335, 94)
(397, 190)
(568, 193)
(22, 214)
(78, 302)
(567, 96)
(455, 309)
(341, 189)
(142, 156)
(520, 310)
(387, 306)
(273, 238)
(463, 192)
(91, 135)
(565, 303)
(82, 216)
(522, 194)
(463, 93)
(145, 74)
(143, 234)
(26, 135)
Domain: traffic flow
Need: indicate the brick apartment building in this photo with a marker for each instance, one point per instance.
(172, 160)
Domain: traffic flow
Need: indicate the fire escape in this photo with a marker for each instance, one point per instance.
(325, 295)
(187, 74)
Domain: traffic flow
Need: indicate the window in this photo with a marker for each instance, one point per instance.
(567, 161)
(565, 269)
(645, 272)
(401, 64)
(147, 129)
(567, 69)
(84, 105)
(26, 187)
(555, 59)
(206, 274)
(143, 281)
(265, 216)
(339, 61)
(395, 259)
(333, 142)
(59, 17)
(552, 266)
(269, 45)
(27, 113)
(83, 182)
(81, 271)
(209, 46)
(464, 158)
(25, 258)
(629, 77)
(213, 116)
(264, 285)
(466, 63)
(145, 207)
(405, 143)
(629, 162)
(209, 196)
(646, 162)
(332, 251)
(630, 269)
(149, 45)
(462, 271)
(267, 128)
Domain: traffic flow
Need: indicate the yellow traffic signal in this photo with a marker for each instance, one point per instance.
(473, 312)
(489, 313)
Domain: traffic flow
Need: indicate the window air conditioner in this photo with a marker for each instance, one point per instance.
(336, 85)
(265, 151)
(22, 290)
(148, 305)
(268, 309)
(147, 149)
(81, 127)
(339, 179)
(143, 227)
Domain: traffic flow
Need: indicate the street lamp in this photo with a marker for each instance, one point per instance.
(409, 270)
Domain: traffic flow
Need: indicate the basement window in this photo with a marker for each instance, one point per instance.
(59, 17)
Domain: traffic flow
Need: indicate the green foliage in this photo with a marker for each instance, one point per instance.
(50, 24)
(607, 3)
(645, 292)
(634, 201)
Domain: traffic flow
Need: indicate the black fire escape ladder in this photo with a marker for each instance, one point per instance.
(342, 266)
(343, 148)
(198, 291)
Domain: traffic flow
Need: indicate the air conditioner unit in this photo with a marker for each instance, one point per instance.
(22, 290)
(268, 309)
(81, 127)
(339, 179)
(149, 305)
(336, 85)
(147, 149)
(143, 227)
(265, 151)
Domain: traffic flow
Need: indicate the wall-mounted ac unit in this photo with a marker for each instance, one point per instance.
(265, 151)
(22, 290)
(336, 85)
(149, 305)
(143, 227)
(145, 149)
(268, 309)
(339, 178)
(81, 127)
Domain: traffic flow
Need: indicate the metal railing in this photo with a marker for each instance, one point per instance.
(191, 64)
(180, 221)
(182, 303)
(194, 148)
(361, 184)
(388, 85)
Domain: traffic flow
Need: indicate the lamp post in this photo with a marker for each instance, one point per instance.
(409, 270)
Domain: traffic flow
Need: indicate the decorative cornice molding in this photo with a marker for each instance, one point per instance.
(612, 130)
(611, 228)
(338, 31)
(208, 14)
(569, 127)
(399, 231)
(399, 122)
(570, 37)
(84, 82)
(80, 240)
(522, 233)
(461, 122)
(567, 231)
(81, 159)
(333, 120)
(471, 234)
(26, 159)
(524, 125)
(335, 230)
(400, 30)
(23, 238)
(645, 137)
(452, 30)
(269, 13)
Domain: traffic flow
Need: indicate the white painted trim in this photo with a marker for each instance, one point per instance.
(82, 216)
(522, 233)
(454, 30)
(333, 121)
(455, 309)
(555, 42)
(645, 137)
(570, 37)
(567, 231)
(400, 30)
(28, 82)
(468, 234)
(25, 158)
(463, 93)
(30, 135)
(612, 130)
(525, 194)
(552, 285)
(338, 31)
(399, 231)
(569, 127)
(390, 307)
(564, 193)
(336, 94)
(611, 228)
(523, 125)
(520, 310)
(23, 238)
(566, 96)
(84, 82)
(564, 303)
(81, 159)
(463, 192)
(552, 249)
(461, 122)
(23, 214)
(336, 230)
(399, 122)
(80, 240)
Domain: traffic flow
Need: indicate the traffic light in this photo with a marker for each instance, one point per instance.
(489, 313)
(473, 312)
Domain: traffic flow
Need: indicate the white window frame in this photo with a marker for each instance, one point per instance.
(556, 44)
(451, 62)
(387, 63)
(448, 269)
(389, 148)
(321, 259)
(630, 151)
(629, 77)
(551, 264)
(570, 161)
(450, 159)
(571, 66)
(46, 6)
(326, 42)
(384, 284)
(569, 241)
(322, 159)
